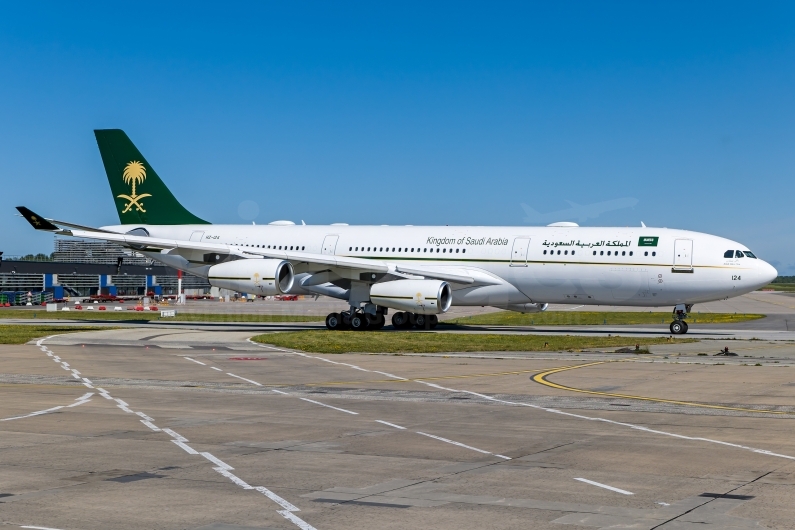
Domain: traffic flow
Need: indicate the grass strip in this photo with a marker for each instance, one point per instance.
(587, 318)
(786, 287)
(149, 316)
(22, 333)
(324, 341)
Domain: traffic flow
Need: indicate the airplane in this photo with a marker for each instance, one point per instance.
(418, 271)
(581, 212)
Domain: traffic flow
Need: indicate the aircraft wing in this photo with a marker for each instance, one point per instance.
(139, 242)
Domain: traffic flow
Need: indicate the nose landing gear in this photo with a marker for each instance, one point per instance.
(679, 326)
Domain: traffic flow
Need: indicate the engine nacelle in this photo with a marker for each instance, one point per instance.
(253, 276)
(427, 297)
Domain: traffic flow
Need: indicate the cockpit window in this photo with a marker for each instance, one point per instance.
(728, 254)
(739, 254)
(749, 254)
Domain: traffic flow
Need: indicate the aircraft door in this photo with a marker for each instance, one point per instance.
(197, 235)
(330, 245)
(683, 255)
(519, 252)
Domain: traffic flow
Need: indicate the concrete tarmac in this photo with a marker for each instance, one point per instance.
(202, 429)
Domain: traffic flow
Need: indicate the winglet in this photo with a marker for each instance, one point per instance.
(36, 221)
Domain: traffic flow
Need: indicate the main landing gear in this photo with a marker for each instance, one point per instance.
(404, 320)
(679, 326)
(356, 320)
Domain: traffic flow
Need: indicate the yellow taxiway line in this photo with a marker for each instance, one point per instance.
(437, 378)
(542, 378)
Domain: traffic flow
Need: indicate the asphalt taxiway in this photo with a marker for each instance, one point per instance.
(202, 429)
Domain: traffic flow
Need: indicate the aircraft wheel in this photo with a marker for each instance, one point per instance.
(400, 320)
(419, 321)
(358, 322)
(333, 321)
(685, 324)
(345, 320)
(677, 327)
(378, 322)
(434, 320)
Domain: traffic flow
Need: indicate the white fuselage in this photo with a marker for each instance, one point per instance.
(570, 265)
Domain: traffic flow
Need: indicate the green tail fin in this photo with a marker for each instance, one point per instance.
(141, 197)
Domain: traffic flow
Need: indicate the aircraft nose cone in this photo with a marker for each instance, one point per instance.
(769, 273)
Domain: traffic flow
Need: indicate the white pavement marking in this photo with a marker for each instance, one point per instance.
(244, 379)
(579, 416)
(381, 421)
(459, 444)
(297, 521)
(329, 406)
(214, 368)
(218, 462)
(390, 424)
(279, 392)
(85, 398)
(185, 447)
(194, 360)
(221, 467)
(605, 486)
(151, 425)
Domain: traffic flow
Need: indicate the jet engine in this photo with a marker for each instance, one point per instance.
(253, 276)
(426, 297)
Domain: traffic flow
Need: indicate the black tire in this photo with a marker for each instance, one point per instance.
(676, 327)
(434, 321)
(334, 321)
(420, 320)
(378, 323)
(686, 327)
(359, 322)
(400, 320)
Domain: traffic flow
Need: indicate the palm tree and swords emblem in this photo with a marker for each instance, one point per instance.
(134, 173)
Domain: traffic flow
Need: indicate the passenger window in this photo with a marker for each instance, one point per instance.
(738, 254)
(545, 252)
(653, 253)
(608, 252)
(350, 249)
(463, 251)
(594, 253)
(601, 252)
(630, 252)
(558, 252)
(572, 252)
(646, 253)
(425, 250)
(302, 248)
(566, 253)
(412, 249)
(748, 254)
(624, 253)
(728, 254)
(456, 250)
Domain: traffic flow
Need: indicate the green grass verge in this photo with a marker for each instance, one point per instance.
(149, 316)
(788, 287)
(324, 341)
(585, 318)
(22, 333)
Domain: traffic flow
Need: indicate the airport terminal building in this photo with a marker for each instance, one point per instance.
(84, 268)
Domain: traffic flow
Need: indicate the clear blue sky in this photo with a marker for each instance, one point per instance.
(408, 113)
